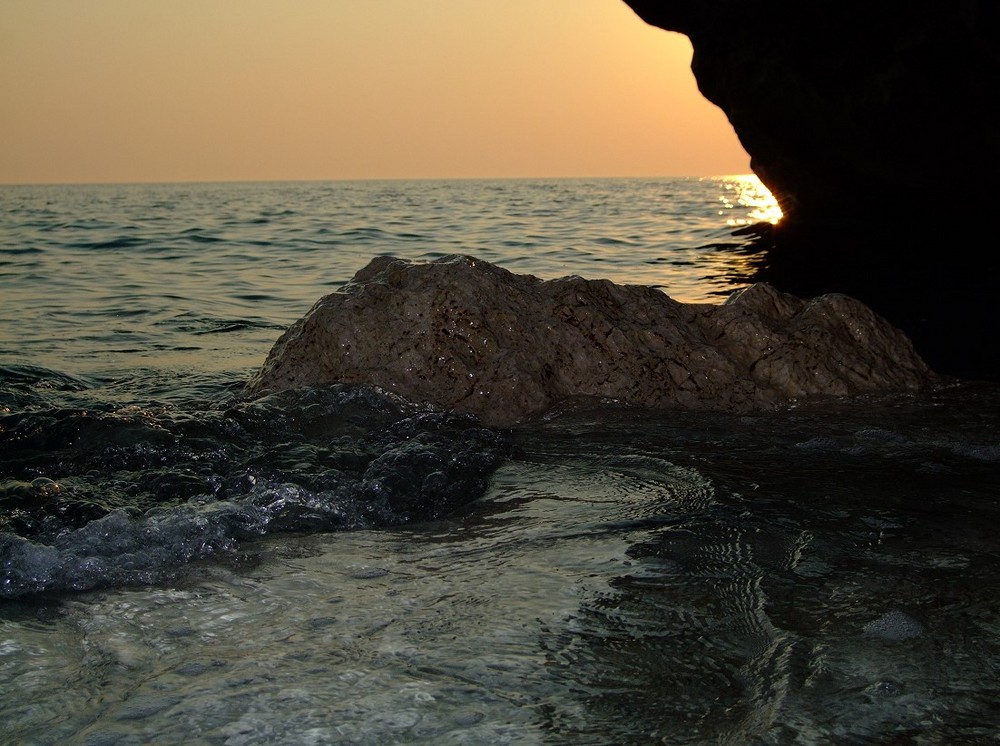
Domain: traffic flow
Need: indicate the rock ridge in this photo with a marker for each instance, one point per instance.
(467, 335)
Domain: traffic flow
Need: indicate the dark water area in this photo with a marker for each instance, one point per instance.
(142, 491)
(183, 565)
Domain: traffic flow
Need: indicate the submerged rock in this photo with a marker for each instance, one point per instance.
(467, 335)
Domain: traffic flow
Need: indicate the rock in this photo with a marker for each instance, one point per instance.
(464, 334)
(853, 107)
(872, 125)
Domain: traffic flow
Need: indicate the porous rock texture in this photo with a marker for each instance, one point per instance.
(464, 334)
(876, 125)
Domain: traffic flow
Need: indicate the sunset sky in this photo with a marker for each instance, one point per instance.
(225, 90)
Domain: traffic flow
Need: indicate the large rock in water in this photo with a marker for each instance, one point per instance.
(465, 334)
(876, 126)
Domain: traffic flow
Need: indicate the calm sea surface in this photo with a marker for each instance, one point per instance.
(203, 277)
(181, 565)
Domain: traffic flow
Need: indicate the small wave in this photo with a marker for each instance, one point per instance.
(201, 238)
(218, 326)
(20, 250)
(32, 375)
(254, 297)
(133, 494)
(611, 241)
(76, 225)
(363, 233)
(122, 242)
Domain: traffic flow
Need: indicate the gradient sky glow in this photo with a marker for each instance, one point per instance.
(230, 90)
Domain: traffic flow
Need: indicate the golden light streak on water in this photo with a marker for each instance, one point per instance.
(747, 191)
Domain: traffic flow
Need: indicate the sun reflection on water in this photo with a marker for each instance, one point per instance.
(747, 191)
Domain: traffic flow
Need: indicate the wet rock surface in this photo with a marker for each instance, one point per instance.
(467, 335)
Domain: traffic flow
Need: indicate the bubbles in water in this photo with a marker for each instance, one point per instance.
(894, 625)
(44, 486)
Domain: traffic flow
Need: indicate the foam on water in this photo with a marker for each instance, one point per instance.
(894, 625)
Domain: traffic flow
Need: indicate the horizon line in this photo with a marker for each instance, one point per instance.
(153, 182)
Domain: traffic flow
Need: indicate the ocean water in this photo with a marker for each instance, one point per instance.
(184, 565)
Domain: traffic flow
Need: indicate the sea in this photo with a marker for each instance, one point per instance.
(184, 564)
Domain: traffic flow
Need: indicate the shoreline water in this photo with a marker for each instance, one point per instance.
(823, 572)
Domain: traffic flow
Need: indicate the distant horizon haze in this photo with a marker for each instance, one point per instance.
(113, 91)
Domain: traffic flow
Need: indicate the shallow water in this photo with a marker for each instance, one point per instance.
(825, 574)
(339, 566)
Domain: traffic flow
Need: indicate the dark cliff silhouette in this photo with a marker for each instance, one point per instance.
(875, 126)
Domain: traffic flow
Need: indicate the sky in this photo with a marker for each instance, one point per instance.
(234, 90)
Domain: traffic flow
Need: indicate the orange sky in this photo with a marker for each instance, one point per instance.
(221, 90)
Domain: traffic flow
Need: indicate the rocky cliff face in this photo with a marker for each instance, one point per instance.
(876, 127)
(467, 335)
